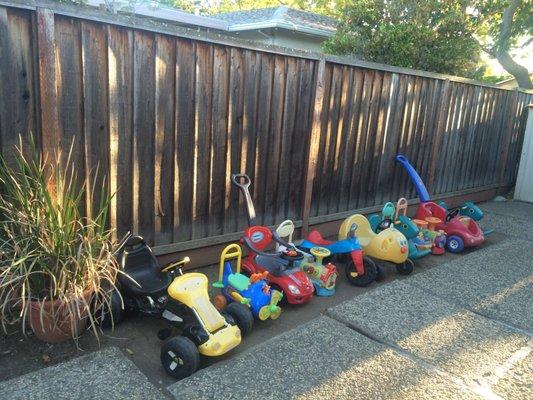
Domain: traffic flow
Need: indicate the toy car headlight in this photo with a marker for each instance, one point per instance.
(293, 289)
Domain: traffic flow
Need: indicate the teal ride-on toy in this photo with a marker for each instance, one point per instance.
(253, 292)
(418, 245)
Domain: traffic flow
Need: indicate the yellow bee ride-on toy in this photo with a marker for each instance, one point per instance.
(179, 299)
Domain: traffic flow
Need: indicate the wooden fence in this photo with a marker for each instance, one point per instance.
(168, 114)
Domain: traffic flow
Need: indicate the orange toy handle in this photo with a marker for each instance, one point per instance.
(258, 276)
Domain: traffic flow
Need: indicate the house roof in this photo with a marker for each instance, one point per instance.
(279, 17)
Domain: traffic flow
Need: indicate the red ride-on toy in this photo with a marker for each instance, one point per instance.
(461, 231)
(284, 273)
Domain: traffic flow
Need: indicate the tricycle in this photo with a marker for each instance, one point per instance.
(461, 231)
(181, 300)
(253, 291)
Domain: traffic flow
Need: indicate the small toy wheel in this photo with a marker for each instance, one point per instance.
(243, 317)
(180, 357)
(112, 313)
(455, 244)
(406, 267)
(361, 280)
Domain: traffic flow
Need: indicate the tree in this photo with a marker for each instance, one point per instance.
(431, 35)
(499, 25)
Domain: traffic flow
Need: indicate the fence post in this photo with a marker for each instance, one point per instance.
(47, 83)
(314, 140)
(441, 124)
(511, 117)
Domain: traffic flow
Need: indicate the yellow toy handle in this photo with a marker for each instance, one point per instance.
(229, 253)
(173, 265)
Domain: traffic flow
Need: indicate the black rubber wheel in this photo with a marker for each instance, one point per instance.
(380, 273)
(180, 357)
(369, 276)
(113, 313)
(406, 267)
(242, 315)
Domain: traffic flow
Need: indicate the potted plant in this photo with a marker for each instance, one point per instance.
(57, 265)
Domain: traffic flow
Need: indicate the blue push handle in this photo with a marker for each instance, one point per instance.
(423, 194)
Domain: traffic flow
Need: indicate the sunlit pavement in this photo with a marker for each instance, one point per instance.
(462, 329)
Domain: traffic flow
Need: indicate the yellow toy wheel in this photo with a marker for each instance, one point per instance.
(264, 313)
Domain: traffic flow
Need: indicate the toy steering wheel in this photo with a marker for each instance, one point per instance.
(320, 252)
(291, 255)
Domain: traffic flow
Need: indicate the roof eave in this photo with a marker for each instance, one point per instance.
(281, 25)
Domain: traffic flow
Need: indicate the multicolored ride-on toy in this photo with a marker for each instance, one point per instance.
(461, 231)
(387, 245)
(468, 209)
(284, 273)
(253, 291)
(419, 246)
(323, 276)
(182, 301)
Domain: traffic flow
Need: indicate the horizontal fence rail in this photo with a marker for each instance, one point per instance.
(166, 118)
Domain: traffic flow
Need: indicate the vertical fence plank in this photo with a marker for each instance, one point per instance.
(184, 149)
(203, 118)
(219, 140)
(312, 154)
(48, 114)
(508, 134)
(120, 58)
(143, 133)
(165, 69)
(235, 135)
(17, 110)
(273, 165)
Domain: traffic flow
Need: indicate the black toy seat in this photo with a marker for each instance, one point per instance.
(139, 263)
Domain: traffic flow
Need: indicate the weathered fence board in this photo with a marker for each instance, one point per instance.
(166, 116)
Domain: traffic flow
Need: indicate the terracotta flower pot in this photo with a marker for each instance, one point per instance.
(58, 323)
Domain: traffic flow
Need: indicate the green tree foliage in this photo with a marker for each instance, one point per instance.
(431, 35)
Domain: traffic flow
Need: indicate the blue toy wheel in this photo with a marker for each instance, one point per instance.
(455, 244)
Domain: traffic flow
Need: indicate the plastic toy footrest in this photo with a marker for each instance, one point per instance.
(239, 281)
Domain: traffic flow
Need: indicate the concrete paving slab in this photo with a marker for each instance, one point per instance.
(321, 359)
(104, 374)
(443, 334)
(516, 227)
(515, 381)
(511, 208)
(495, 281)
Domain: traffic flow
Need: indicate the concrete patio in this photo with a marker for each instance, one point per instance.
(460, 330)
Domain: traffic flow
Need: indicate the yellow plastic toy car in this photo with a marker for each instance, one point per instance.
(388, 245)
(179, 299)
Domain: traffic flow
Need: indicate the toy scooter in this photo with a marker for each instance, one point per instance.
(388, 245)
(179, 299)
(323, 276)
(419, 246)
(252, 291)
(461, 231)
(284, 273)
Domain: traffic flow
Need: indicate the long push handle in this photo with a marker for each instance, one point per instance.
(236, 179)
(423, 194)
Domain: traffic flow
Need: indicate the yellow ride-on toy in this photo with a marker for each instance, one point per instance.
(388, 245)
(179, 299)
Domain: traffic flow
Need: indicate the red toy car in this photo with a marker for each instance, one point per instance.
(283, 274)
(461, 231)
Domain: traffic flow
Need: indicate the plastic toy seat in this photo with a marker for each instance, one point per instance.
(140, 264)
(191, 290)
(317, 239)
(239, 281)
